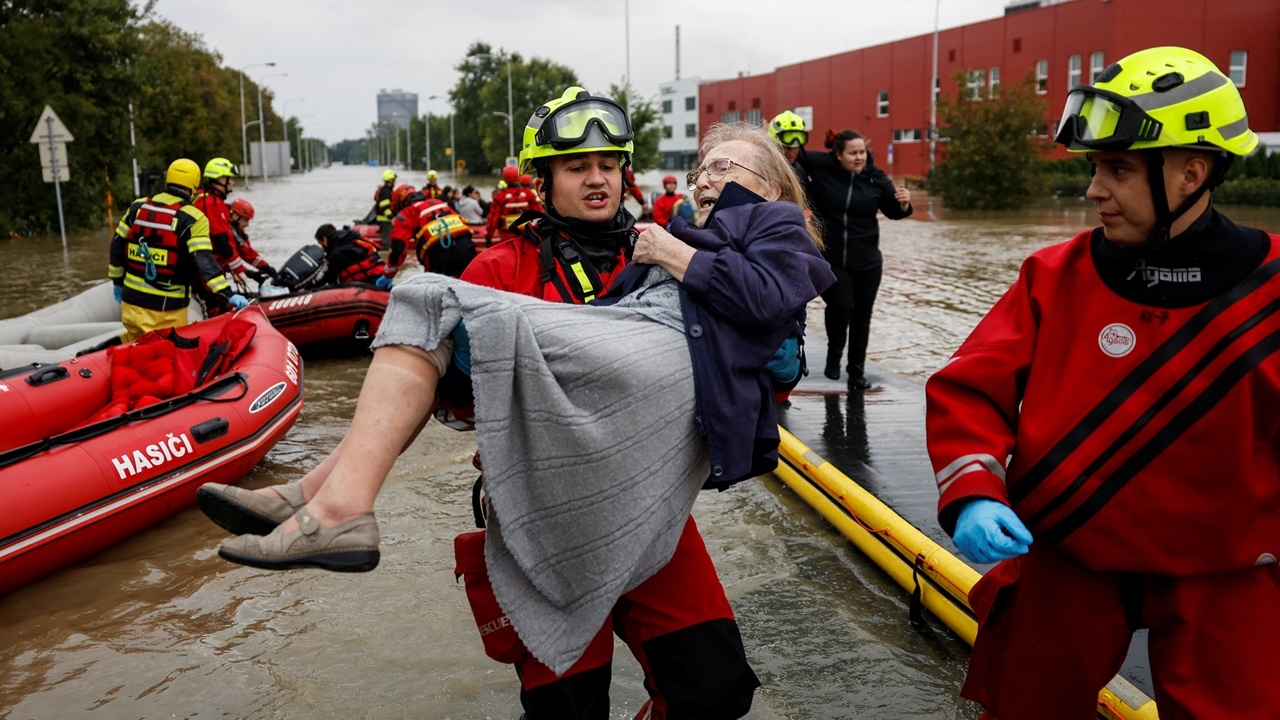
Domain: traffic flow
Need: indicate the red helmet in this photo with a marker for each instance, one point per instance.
(511, 175)
(526, 180)
(670, 179)
(243, 208)
(399, 194)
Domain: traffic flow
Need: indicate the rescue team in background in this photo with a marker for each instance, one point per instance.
(1111, 441)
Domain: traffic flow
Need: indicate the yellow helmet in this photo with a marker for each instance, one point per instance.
(575, 122)
(432, 174)
(787, 129)
(388, 175)
(220, 168)
(1157, 98)
(183, 173)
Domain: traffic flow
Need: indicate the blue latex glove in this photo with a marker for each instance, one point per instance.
(784, 366)
(238, 301)
(988, 531)
(117, 293)
(461, 348)
(383, 282)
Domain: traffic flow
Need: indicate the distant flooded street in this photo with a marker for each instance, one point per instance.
(160, 627)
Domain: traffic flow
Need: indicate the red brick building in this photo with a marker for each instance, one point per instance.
(883, 91)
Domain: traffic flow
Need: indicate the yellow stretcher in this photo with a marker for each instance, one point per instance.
(918, 564)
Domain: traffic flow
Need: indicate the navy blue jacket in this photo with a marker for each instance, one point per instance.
(743, 294)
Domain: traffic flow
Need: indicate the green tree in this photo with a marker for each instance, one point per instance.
(995, 147)
(74, 56)
(646, 123)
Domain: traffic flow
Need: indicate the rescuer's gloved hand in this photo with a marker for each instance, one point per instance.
(117, 293)
(270, 271)
(784, 366)
(238, 301)
(383, 282)
(988, 531)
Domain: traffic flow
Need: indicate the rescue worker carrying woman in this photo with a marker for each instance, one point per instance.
(441, 239)
(1108, 433)
(161, 249)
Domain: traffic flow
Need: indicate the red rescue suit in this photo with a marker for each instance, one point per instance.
(214, 207)
(677, 623)
(246, 251)
(664, 208)
(441, 238)
(508, 204)
(1144, 461)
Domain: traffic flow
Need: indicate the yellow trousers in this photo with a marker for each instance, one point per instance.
(140, 320)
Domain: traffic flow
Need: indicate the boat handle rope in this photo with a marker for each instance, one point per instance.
(209, 393)
(150, 272)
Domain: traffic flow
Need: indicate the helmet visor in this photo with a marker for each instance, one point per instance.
(793, 138)
(1096, 119)
(570, 125)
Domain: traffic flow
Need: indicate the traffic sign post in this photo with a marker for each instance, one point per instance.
(51, 136)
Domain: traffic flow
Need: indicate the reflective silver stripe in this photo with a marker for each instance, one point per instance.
(1186, 91)
(966, 464)
(1235, 129)
(149, 224)
(165, 210)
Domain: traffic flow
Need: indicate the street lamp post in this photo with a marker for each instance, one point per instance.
(244, 137)
(262, 125)
(284, 114)
(429, 99)
(933, 90)
(511, 133)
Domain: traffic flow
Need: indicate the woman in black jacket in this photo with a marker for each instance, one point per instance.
(847, 191)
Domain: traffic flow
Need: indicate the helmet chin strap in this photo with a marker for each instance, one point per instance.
(1158, 238)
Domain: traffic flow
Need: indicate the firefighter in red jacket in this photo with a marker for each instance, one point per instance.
(432, 189)
(508, 205)
(440, 238)
(664, 206)
(257, 266)
(381, 211)
(1108, 433)
(161, 249)
(211, 199)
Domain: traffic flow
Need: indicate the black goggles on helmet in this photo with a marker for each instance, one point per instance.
(1097, 119)
(571, 124)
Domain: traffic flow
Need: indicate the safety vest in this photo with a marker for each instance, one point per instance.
(368, 269)
(438, 224)
(154, 250)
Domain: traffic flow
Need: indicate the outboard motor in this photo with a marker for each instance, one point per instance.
(304, 267)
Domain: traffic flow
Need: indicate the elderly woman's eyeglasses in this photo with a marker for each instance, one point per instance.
(716, 170)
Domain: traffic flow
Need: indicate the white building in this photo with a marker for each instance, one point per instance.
(678, 143)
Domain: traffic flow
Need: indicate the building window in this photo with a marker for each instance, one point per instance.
(908, 135)
(733, 105)
(1095, 66)
(753, 117)
(711, 109)
(691, 130)
(882, 103)
(731, 117)
(1017, 44)
(755, 102)
(666, 132)
(690, 103)
(1042, 77)
(993, 81)
(1073, 71)
(976, 81)
(666, 107)
(1239, 61)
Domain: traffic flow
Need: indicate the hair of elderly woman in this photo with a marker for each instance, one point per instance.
(768, 161)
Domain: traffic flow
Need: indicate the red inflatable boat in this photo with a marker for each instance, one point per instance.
(331, 321)
(90, 455)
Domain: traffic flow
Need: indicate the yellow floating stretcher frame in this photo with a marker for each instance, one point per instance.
(912, 559)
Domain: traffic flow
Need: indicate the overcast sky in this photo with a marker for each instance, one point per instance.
(339, 53)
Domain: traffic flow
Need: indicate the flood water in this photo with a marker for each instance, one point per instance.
(159, 626)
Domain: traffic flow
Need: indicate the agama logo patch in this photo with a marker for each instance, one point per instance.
(1117, 340)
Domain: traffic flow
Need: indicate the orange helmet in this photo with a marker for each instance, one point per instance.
(511, 174)
(243, 208)
(398, 196)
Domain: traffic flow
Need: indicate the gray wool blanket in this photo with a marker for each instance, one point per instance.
(592, 458)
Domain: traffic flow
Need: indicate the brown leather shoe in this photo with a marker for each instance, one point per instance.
(244, 512)
(351, 546)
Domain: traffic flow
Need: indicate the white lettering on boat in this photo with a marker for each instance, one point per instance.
(295, 301)
(4, 388)
(152, 455)
(291, 363)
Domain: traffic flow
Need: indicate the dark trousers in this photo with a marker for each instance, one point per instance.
(849, 304)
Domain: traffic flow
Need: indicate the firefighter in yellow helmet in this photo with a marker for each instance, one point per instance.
(1108, 432)
(161, 248)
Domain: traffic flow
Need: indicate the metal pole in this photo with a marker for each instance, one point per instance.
(453, 152)
(933, 104)
(244, 133)
(262, 133)
(57, 185)
(133, 143)
(626, 5)
(511, 133)
(408, 145)
(429, 139)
